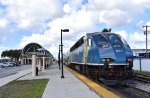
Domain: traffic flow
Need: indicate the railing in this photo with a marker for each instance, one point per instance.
(141, 64)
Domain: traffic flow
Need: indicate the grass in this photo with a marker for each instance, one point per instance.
(24, 89)
(142, 72)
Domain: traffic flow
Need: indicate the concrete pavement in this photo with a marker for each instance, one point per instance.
(10, 78)
(68, 87)
(7, 71)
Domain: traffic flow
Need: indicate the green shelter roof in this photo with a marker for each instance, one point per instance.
(34, 48)
(31, 48)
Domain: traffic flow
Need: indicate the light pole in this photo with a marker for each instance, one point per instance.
(62, 30)
(59, 56)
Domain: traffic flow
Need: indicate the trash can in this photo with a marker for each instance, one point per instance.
(36, 71)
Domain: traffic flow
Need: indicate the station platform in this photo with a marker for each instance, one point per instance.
(73, 85)
(68, 87)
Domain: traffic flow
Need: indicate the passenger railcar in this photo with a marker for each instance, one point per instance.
(103, 56)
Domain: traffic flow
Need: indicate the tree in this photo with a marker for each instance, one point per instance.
(106, 30)
(12, 53)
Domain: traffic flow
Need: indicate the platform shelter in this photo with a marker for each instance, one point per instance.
(35, 54)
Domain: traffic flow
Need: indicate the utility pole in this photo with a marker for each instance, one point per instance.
(145, 33)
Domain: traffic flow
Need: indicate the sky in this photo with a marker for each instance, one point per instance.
(40, 21)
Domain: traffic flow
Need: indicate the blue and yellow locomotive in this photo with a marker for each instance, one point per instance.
(103, 56)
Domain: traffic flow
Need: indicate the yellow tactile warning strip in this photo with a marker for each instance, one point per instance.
(96, 87)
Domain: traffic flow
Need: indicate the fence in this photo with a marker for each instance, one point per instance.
(142, 64)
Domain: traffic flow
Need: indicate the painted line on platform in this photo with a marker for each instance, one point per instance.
(94, 86)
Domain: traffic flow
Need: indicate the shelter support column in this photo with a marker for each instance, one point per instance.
(22, 61)
(33, 65)
(43, 63)
(25, 61)
(49, 61)
(39, 64)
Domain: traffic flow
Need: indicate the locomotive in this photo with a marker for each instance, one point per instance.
(103, 56)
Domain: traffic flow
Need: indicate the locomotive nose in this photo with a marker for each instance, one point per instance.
(120, 55)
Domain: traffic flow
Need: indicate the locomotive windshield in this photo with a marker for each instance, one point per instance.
(114, 39)
(117, 41)
(100, 41)
(124, 42)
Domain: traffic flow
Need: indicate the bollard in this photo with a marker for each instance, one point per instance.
(36, 71)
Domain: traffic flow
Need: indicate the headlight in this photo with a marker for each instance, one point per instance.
(110, 74)
(107, 60)
(109, 66)
(129, 59)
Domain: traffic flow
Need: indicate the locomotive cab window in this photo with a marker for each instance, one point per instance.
(124, 42)
(100, 41)
(115, 40)
(89, 42)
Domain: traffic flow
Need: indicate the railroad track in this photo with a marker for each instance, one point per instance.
(129, 91)
(135, 90)
(142, 78)
(141, 85)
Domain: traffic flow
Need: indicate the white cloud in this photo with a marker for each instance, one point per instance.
(35, 38)
(30, 14)
(136, 40)
(123, 33)
(45, 18)
(148, 23)
(72, 6)
(40, 9)
(114, 17)
(137, 37)
(143, 3)
(75, 4)
(77, 23)
(24, 23)
(3, 23)
(117, 12)
(67, 8)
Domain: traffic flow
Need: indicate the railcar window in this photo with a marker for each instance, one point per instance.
(100, 41)
(77, 44)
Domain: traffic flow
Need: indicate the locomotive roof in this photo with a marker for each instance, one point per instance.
(103, 33)
(81, 40)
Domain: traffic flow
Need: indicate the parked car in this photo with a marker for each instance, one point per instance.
(11, 64)
(5, 65)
